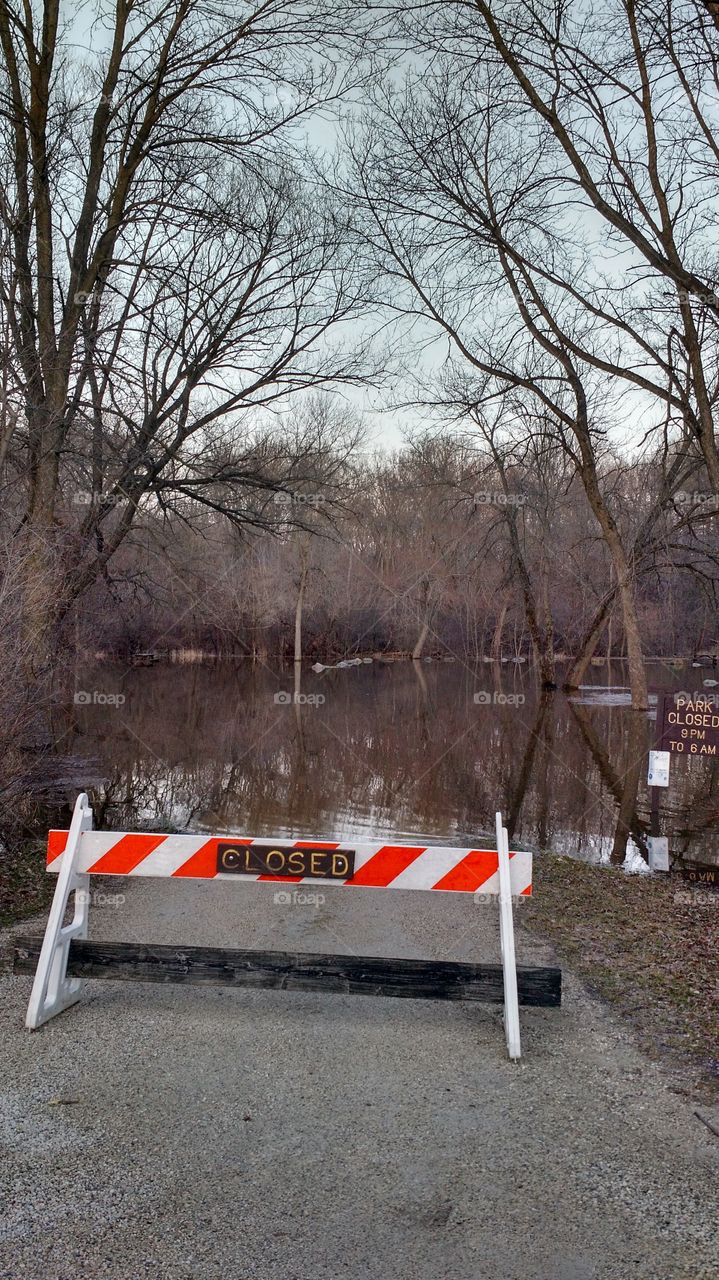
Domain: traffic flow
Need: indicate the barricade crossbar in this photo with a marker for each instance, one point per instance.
(376, 866)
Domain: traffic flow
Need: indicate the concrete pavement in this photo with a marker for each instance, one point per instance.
(195, 1134)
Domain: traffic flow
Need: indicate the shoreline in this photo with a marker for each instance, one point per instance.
(313, 652)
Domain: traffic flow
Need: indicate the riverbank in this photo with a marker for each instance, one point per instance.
(648, 946)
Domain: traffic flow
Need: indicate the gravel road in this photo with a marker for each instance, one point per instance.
(208, 1134)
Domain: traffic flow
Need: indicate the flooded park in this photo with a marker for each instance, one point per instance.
(359, 643)
(403, 749)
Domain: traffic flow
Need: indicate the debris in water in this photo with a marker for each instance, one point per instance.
(598, 695)
(339, 666)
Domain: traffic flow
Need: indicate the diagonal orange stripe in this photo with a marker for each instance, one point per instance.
(386, 864)
(56, 842)
(124, 856)
(284, 879)
(316, 844)
(203, 864)
(471, 872)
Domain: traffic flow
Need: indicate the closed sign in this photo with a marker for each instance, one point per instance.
(280, 860)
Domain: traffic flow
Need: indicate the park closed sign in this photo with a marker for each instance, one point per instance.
(690, 724)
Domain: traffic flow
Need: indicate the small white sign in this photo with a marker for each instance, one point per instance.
(658, 775)
(658, 853)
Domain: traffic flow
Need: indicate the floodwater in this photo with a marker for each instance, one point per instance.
(412, 750)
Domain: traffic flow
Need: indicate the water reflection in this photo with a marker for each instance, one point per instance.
(419, 750)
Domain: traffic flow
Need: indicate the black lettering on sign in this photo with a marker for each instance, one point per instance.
(286, 861)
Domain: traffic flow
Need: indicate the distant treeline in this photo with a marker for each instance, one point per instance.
(430, 551)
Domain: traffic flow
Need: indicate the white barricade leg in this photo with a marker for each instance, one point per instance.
(52, 990)
(506, 937)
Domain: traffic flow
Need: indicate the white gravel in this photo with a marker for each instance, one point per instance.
(194, 1134)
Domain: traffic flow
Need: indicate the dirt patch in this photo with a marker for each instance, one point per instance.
(637, 942)
(25, 887)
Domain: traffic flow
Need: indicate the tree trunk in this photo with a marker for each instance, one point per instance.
(637, 743)
(547, 669)
(496, 651)
(542, 637)
(589, 642)
(421, 678)
(424, 629)
(625, 589)
(615, 546)
(421, 640)
(635, 655)
(300, 600)
(41, 598)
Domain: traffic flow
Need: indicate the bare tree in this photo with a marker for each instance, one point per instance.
(167, 264)
(470, 218)
(613, 113)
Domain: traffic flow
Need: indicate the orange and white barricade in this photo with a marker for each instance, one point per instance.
(65, 955)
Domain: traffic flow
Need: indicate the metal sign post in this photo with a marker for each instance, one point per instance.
(657, 778)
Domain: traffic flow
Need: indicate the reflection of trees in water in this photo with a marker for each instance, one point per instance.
(391, 748)
(691, 811)
(526, 769)
(637, 746)
(623, 784)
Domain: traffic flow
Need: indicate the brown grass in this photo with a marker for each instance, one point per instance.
(653, 958)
